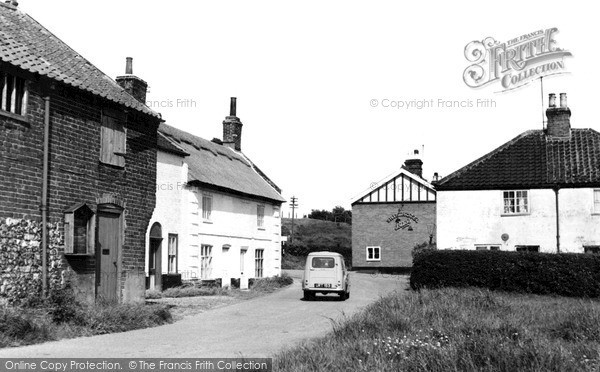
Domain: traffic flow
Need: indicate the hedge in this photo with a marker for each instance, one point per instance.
(564, 274)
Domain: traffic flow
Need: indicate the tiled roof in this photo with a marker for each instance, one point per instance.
(533, 160)
(26, 44)
(220, 166)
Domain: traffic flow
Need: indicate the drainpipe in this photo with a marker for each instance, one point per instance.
(556, 188)
(45, 197)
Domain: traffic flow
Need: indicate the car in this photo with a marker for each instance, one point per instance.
(325, 272)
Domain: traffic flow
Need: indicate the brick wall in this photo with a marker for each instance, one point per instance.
(75, 173)
(370, 228)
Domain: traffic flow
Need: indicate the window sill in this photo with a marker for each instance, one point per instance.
(261, 228)
(17, 117)
(514, 214)
(373, 260)
(207, 222)
(595, 213)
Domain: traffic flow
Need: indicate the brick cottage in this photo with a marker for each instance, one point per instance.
(390, 219)
(77, 169)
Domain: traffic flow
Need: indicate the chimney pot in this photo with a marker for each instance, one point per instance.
(14, 3)
(416, 152)
(552, 100)
(233, 106)
(563, 100)
(129, 66)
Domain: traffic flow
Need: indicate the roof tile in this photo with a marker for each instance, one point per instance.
(28, 45)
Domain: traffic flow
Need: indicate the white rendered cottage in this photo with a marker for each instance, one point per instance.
(217, 215)
(538, 192)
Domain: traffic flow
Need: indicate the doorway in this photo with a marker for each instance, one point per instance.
(154, 257)
(108, 253)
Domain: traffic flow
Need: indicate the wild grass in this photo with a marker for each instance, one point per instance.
(458, 330)
(23, 326)
(268, 285)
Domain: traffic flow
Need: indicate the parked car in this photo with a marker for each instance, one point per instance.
(325, 272)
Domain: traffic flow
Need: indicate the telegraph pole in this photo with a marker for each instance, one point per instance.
(294, 205)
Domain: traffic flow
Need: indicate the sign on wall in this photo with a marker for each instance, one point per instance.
(403, 220)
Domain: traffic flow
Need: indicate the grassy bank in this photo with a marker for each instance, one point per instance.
(32, 325)
(458, 330)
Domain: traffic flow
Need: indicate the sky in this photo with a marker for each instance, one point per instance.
(315, 81)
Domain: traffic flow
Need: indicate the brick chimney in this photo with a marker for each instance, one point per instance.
(415, 165)
(232, 128)
(559, 122)
(131, 83)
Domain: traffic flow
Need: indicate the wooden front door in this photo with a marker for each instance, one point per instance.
(109, 241)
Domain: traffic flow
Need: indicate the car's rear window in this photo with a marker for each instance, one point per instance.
(323, 262)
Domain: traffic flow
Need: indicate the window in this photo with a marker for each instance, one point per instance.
(487, 247)
(205, 261)
(113, 141)
(172, 254)
(206, 207)
(373, 253)
(260, 216)
(14, 94)
(276, 212)
(528, 248)
(323, 262)
(597, 201)
(258, 263)
(80, 229)
(592, 249)
(516, 202)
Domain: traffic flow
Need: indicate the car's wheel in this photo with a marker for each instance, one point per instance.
(347, 295)
(343, 296)
(307, 296)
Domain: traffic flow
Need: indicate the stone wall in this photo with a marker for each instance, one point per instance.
(21, 258)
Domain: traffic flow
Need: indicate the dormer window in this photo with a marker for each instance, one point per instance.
(80, 230)
(14, 94)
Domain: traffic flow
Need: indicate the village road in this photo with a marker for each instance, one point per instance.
(252, 328)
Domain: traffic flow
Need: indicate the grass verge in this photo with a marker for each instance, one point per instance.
(458, 330)
(24, 326)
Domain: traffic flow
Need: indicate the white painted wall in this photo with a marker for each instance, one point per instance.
(466, 218)
(233, 222)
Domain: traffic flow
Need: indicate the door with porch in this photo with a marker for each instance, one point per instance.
(109, 244)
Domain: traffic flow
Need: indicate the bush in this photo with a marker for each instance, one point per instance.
(423, 247)
(565, 274)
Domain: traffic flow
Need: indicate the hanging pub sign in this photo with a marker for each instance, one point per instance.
(403, 220)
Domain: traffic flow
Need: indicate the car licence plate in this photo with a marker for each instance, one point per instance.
(317, 285)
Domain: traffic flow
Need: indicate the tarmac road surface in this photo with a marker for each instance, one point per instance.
(254, 328)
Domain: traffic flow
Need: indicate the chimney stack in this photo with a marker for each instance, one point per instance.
(559, 122)
(131, 83)
(415, 165)
(14, 3)
(232, 128)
